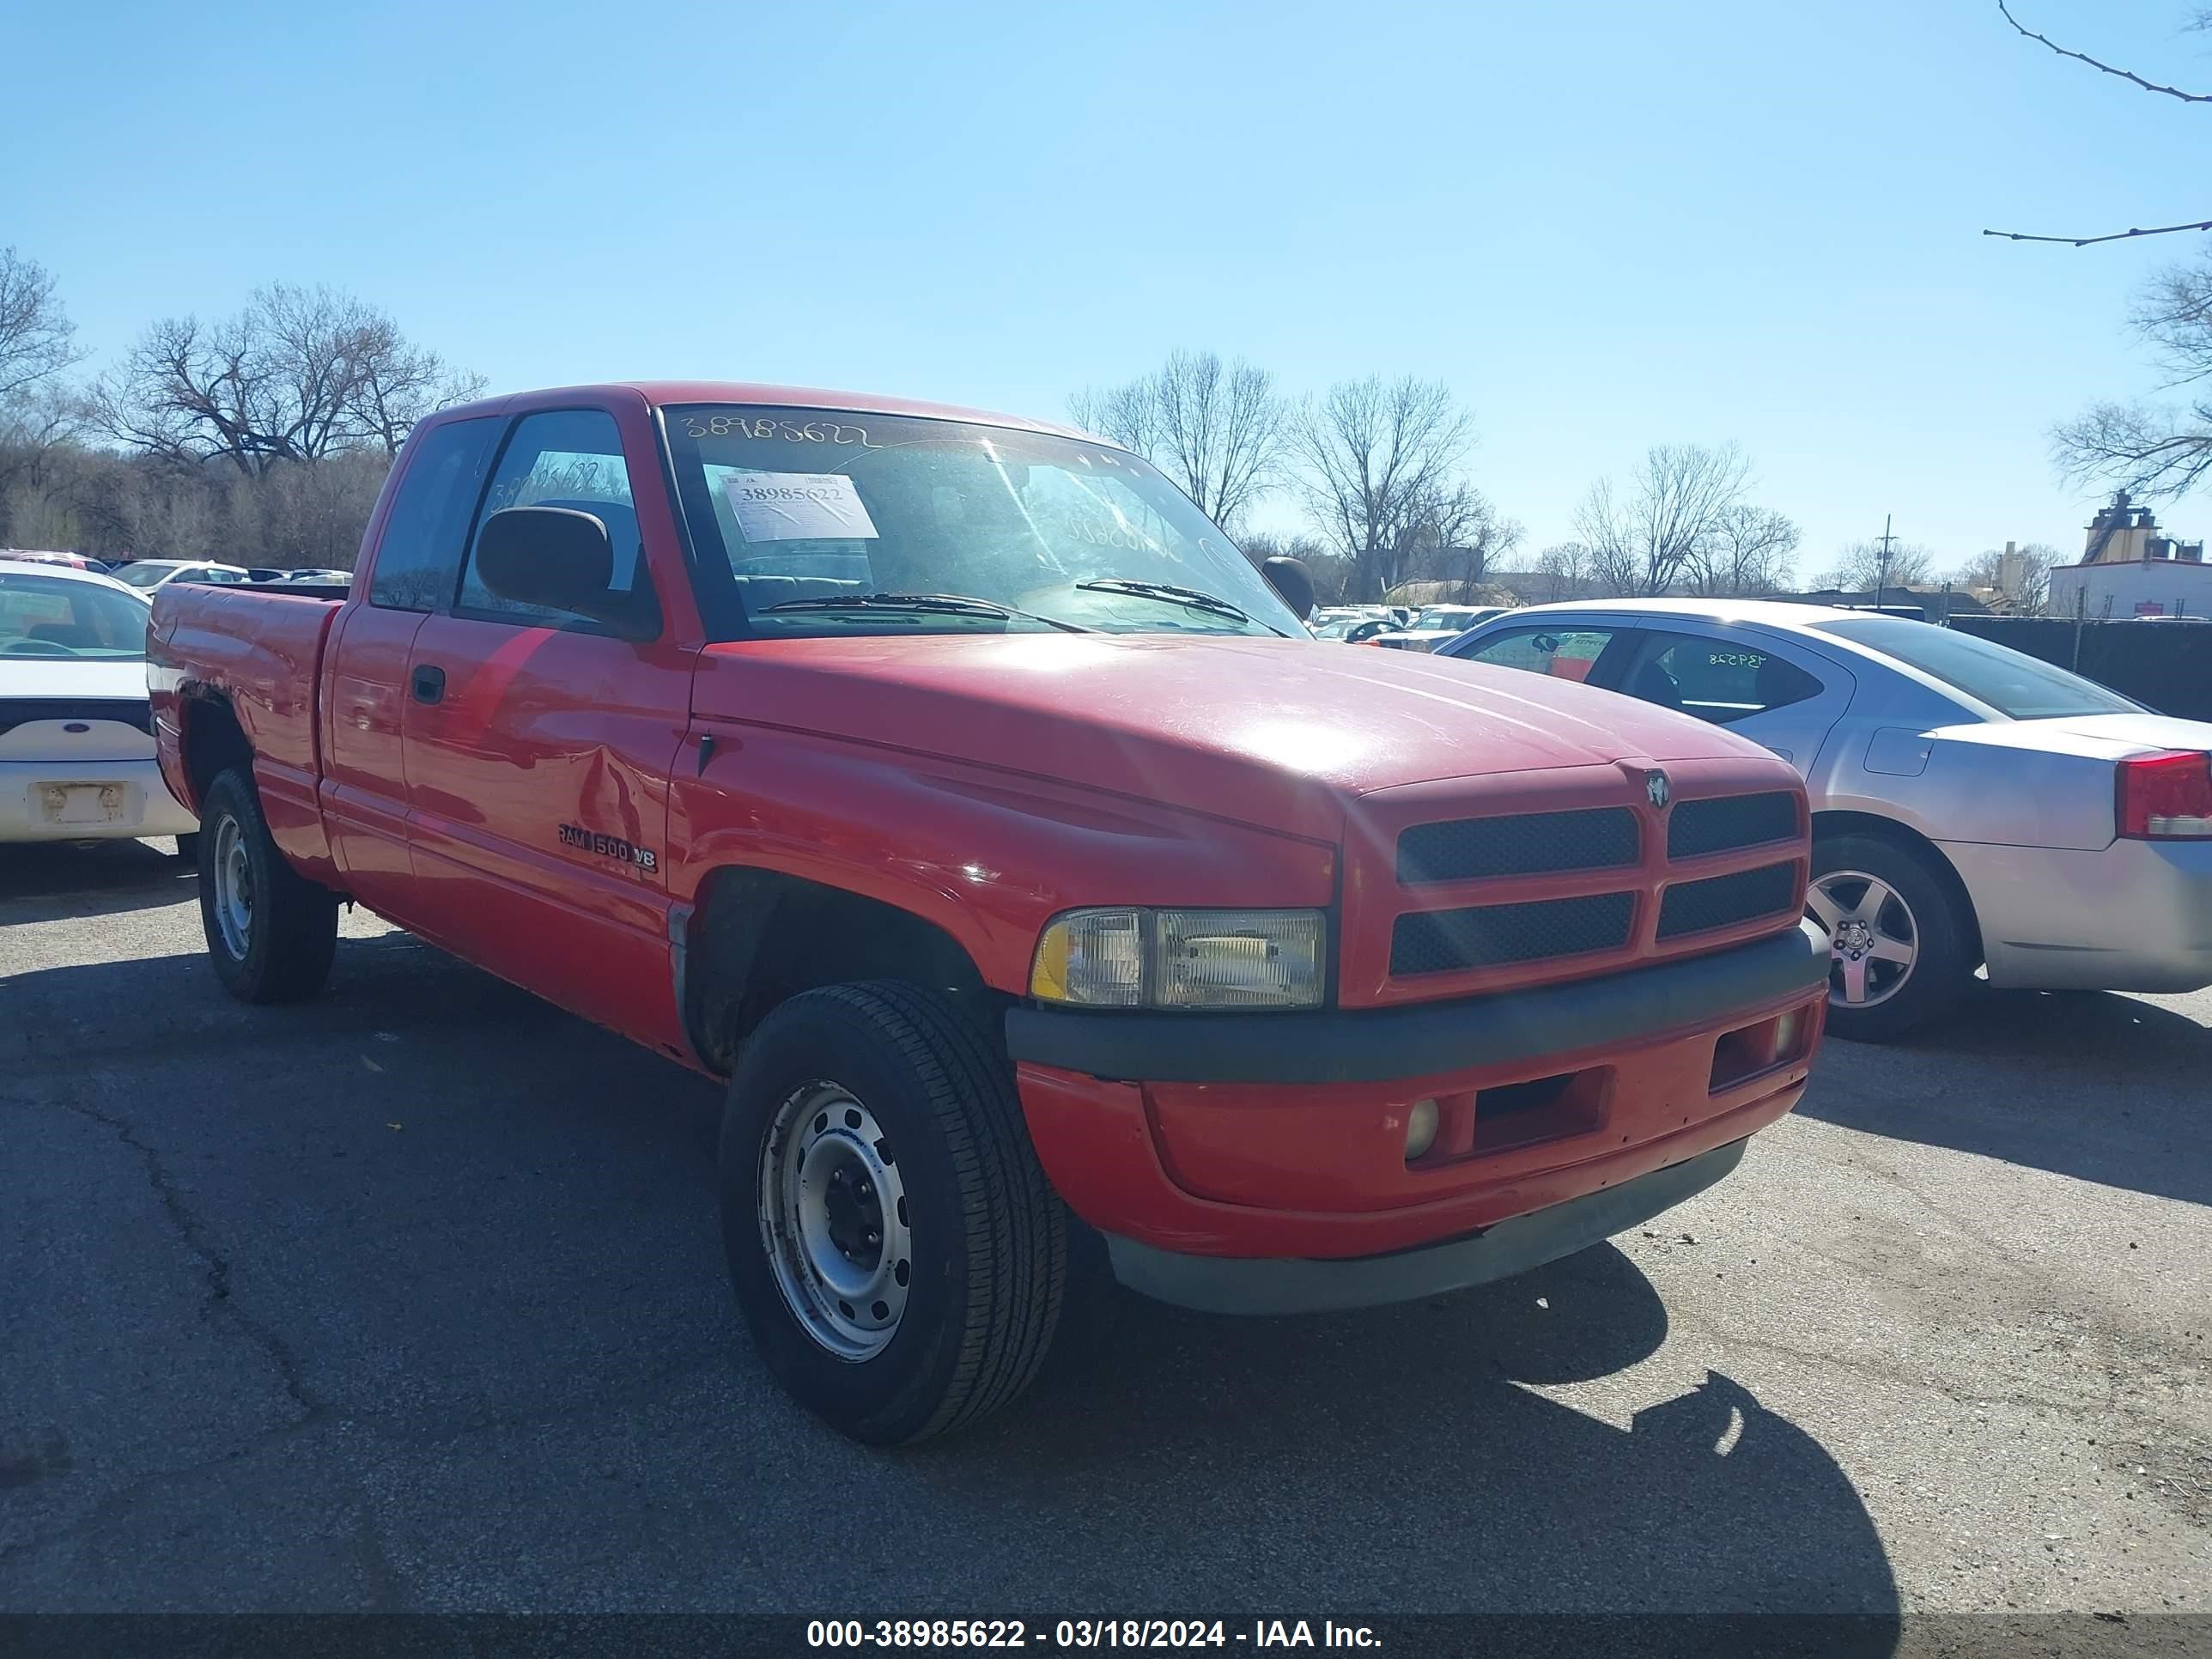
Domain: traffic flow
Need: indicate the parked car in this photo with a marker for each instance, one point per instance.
(1972, 806)
(150, 574)
(261, 574)
(337, 578)
(1363, 630)
(1436, 627)
(76, 737)
(1043, 864)
(47, 555)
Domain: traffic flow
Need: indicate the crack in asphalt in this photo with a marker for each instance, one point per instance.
(218, 1301)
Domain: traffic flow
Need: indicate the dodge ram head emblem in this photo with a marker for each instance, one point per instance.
(1657, 790)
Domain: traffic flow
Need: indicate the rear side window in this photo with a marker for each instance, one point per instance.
(1718, 680)
(570, 458)
(1564, 654)
(421, 547)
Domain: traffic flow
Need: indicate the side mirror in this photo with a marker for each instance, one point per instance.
(1289, 578)
(554, 558)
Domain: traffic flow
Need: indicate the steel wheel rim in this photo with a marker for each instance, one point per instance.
(234, 888)
(834, 1223)
(1874, 938)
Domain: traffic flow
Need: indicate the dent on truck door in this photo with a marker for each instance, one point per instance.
(538, 751)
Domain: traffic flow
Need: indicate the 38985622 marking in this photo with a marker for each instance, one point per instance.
(1077, 1634)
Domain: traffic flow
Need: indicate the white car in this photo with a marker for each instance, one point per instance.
(1972, 806)
(77, 734)
(147, 574)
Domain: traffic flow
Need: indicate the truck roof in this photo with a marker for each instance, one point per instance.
(660, 392)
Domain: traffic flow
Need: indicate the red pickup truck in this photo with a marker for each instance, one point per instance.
(954, 787)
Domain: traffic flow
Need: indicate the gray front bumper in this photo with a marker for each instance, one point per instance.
(1242, 1286)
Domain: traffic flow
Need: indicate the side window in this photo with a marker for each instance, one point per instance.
(1717, 680)
(1564, 654)
(570, 458)
(421, 548)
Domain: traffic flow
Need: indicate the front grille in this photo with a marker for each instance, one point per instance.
(22, 711)
(1520, 844)
(1448, 941)
(1726, 822)
(1699, 907)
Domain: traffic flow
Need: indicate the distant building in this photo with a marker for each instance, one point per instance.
(2128, 568)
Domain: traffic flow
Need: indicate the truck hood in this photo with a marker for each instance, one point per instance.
(1276, 733)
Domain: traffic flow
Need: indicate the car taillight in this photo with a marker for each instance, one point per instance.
(2166, 797)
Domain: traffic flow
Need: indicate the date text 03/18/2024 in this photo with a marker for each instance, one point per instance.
(1085, 1633)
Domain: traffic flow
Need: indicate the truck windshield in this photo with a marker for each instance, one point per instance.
(2016, 685)
(56, 617)
(820, 522)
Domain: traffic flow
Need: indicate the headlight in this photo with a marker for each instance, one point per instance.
(1181, 959)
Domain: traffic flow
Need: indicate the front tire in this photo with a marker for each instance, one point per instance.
(1900, 957)
(271, 933)
(894, 1245)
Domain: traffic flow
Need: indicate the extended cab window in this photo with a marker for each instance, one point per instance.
(813, 522)
(1718, 680)
(420, 550)
(570, 458)
(1564, 654)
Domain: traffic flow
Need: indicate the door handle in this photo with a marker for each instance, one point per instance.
(429, 683)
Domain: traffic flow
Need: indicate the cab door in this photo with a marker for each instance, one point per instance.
(539, 748)
(418, 554)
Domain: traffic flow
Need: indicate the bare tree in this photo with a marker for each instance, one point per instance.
(1643, 535)
(1565, 569)
(2201, 20)
(1216, 428)
(37, 339)
(1746, 553)
(300, 375)
(1454, 539)
(2153, 452)
(1379, 471)
(1858, 568)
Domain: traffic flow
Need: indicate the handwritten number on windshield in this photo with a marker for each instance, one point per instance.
(807, 432)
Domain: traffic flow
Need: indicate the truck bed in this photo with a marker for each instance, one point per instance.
(259, 650)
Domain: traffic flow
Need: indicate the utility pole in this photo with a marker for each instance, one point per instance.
(1881, 566)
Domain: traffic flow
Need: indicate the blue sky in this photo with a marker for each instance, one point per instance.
(1606, 225)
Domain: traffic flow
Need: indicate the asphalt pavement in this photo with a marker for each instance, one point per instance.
(410, 1299)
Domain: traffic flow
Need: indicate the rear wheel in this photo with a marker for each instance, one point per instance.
(271, 933)
(894, 1245)
(1898, 952)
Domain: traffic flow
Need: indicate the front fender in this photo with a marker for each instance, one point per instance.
(988, 856)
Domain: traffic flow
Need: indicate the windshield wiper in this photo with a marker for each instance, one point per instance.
(945, 604)
(1194, 599)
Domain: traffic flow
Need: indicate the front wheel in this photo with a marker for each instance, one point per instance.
(1898, 952)
(895, 1248)
(271, 933)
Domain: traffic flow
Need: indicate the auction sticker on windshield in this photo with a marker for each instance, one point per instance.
(798, 507)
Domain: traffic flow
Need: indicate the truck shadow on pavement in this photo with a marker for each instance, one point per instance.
(47, 881)
(413, 1298)
(2089, 1084)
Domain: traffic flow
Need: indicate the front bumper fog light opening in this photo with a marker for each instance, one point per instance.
(1421, 1122)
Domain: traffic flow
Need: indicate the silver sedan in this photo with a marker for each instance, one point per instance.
(1973, 807)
